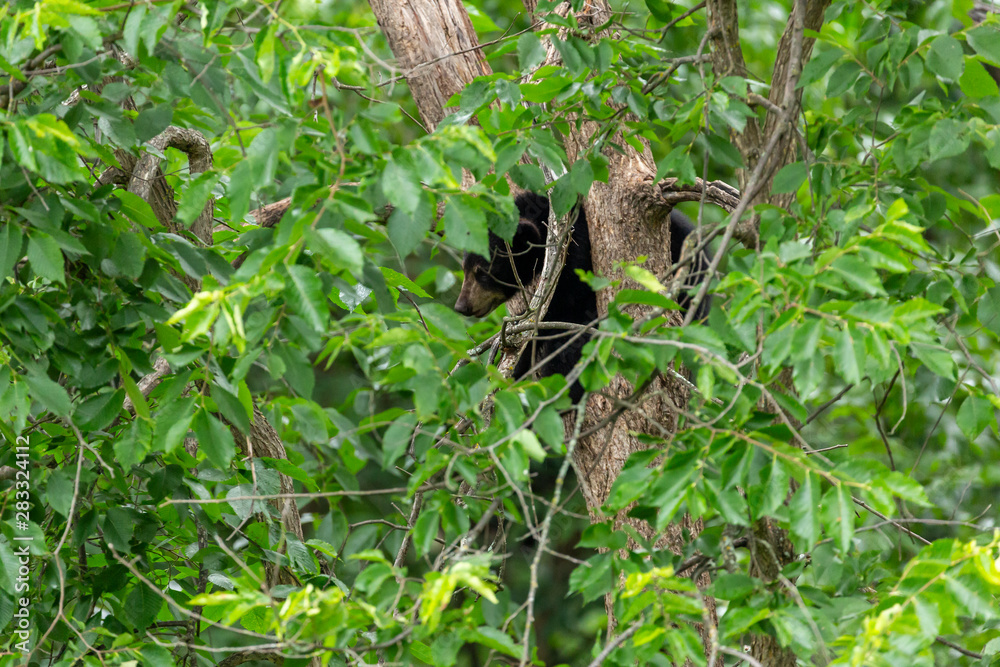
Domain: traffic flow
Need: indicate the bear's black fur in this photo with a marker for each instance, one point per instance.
(510, 268)
(680, 228)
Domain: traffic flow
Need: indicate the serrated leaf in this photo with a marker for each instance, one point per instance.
(142, 606)
(493, 639)
(976, 82)
(789, 178)
(858, 274)
(975, 414)
(118, 527)
(936, 358)
(844, 531)
(11, 241)
(46, 258)
(401, 187)
(405, 231)
(945, 57)
(305, 296)
(465, 227)
(172, 423)
(985, 40)
(425, 530)
(804, 508)
(50, 394)
(214, 439)
(339, 248)
(195, 196)
(844, 358)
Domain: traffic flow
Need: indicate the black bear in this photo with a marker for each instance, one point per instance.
(491, 281)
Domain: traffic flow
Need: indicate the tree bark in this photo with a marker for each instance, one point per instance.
(436, 49)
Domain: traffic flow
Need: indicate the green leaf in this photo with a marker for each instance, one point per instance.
(845, 359)
(59, 492)
(985, 40)
(465, 227)
(21, 148)
(905, 487)
(593, 578)
(172, 423)
(50, 394)
(529, 441)
(11, 241)
(396, 279)
(445, 320)
(975, 414)
(305, 296)
(631, 483)
(130, 33)
(734, 586)
(98, 411)
(46, 258)
(214, 439)
(845, 518)
(142, 606)
(945, 58)
(804, 508)
(151, 122)
(129, 255)
(397, 439)
(405, 231)
(936, 358)
(195, 196)
(265, 51)
(425, 531)
(858, 274)
(660, 9)
(137, 210)
(789, 178)
(988, 310)
(119, 524)
(949, 137)
(240, 188)
(530, 52)
(928, 617)
(339, 248)
(493, 639)
(776, 489)
(819, 65)
(401, 187)
(231, 408)
(976, 81)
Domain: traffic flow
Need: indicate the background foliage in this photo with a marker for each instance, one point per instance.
(878, 288)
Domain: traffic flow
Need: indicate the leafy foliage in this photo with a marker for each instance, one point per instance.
(870, 313)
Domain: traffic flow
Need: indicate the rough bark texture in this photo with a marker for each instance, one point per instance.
(436, 49)
(727, 60)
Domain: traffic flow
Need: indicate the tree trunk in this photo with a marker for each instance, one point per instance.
(435, 46)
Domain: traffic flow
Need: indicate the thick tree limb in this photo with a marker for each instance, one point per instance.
(147, 175)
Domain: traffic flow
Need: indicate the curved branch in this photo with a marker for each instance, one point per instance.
(720, 193)
(147, 175)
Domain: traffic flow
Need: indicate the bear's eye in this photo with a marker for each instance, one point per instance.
(482, 276)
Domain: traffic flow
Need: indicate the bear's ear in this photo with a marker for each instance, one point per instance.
(529, 232)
